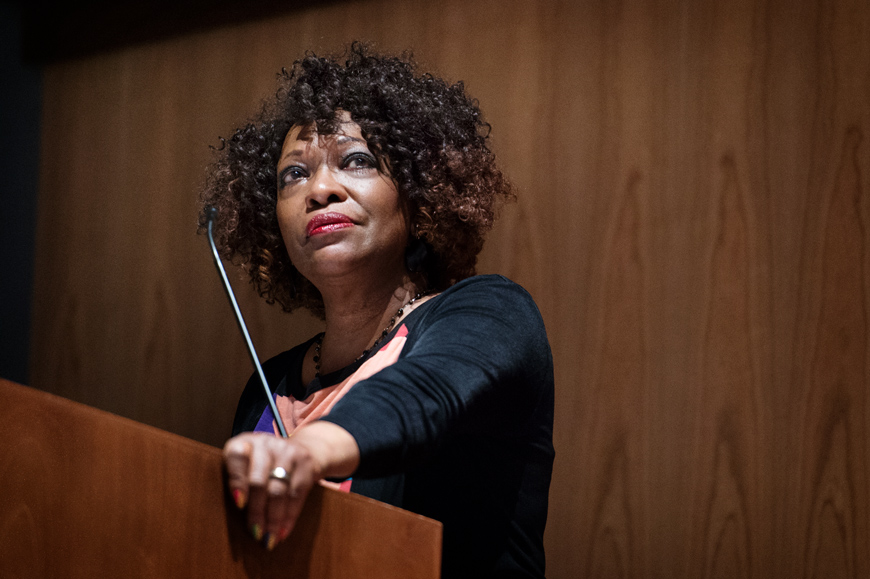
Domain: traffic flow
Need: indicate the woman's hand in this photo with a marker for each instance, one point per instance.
(275, 499)
(273, 504)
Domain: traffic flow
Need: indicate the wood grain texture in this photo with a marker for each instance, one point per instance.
(89, 494)
(692, 220)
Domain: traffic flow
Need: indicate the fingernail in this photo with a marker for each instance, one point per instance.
(271, 540)
(257, 531)
(283, 533)
(240, 498)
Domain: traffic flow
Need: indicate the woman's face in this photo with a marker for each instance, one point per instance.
(338, 213)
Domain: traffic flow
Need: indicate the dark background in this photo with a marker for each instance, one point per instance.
(20, 106)
(36, 34)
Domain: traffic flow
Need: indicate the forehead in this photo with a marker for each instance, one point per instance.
(304, 136)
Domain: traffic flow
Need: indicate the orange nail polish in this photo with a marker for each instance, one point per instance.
(271, 540)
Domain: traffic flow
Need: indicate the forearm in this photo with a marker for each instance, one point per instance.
(332, 447)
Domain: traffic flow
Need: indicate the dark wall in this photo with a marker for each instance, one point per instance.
(20, 105)
(39, 32)
(56, 30)
(693, 220)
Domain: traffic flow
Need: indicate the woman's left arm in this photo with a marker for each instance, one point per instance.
(478, 358)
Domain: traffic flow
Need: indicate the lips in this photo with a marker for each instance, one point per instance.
(327, 223)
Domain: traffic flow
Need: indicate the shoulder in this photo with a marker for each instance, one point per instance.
(276, 366)
(486, 314)
(490, 294)
(276, 369)
(492, 288)
(491, 282)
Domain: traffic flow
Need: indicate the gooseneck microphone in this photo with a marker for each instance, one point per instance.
(211, 214)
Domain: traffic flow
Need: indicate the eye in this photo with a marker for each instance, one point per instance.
(291, 174)
(360, 161)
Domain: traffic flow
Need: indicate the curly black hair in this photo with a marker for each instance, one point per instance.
(429, 134)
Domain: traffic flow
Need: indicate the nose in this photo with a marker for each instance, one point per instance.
(324, 188)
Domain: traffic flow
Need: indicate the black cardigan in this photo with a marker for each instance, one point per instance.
(459, 429)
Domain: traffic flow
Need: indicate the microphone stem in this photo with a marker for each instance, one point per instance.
(244, 328)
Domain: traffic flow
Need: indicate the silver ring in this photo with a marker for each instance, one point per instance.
(280, 473)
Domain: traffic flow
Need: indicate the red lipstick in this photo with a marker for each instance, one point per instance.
(326, 223)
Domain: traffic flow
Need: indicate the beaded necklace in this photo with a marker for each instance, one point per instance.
(319, 343)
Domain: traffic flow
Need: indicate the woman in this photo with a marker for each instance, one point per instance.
(363, 193)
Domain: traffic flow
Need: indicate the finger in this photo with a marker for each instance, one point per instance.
(262, 458)
(237, 456)
(277, 499)
(294, 509)
(302, 478)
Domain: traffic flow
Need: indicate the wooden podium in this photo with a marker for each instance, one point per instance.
(84, 493)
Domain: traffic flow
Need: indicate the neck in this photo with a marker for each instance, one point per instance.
(356, 316)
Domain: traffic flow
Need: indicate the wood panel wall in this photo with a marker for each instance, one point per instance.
(692, 221)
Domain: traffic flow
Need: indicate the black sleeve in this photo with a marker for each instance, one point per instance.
(477, 358)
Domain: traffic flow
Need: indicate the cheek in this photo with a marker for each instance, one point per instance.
(393, 204)
(286, 227)
(398, 224)
(285, 214)
(282, 221)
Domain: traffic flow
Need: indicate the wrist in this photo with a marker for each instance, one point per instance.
(332, 448)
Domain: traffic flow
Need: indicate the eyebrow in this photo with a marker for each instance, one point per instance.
(293, 153)
(346, 138)
(307, 138)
